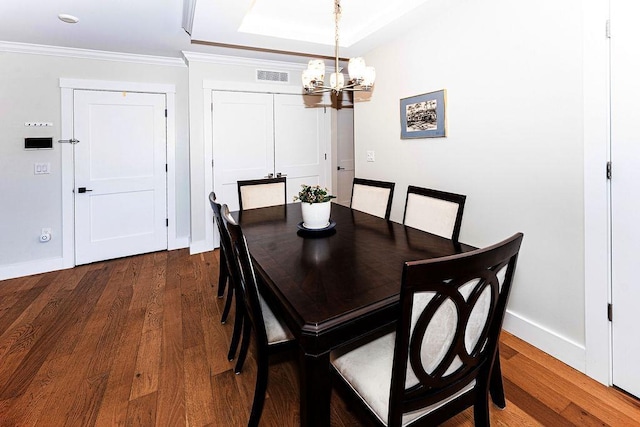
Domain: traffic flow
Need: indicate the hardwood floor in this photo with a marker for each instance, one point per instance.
(138, 342)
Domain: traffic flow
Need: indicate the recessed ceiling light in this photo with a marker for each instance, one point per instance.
(69, 19)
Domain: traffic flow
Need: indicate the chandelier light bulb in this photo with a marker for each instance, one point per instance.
(369, 77)
(337, 81)
(356, 68)
(317, 69)
(306, 79)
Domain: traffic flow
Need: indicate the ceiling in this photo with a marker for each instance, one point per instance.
(275, 29)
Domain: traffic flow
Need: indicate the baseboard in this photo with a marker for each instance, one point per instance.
(563, 349)
(29, 268)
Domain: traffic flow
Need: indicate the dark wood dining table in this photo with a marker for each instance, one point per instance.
(332, 287)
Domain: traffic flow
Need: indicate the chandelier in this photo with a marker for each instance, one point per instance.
(361, 77)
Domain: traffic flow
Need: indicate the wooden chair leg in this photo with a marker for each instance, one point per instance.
(227, 304)
(260, 393)
(244, 347)
(496, 387)
(224, 273)
(237, 329)
(481, 413)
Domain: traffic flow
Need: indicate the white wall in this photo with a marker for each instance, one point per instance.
(29, 91)
(514, 77)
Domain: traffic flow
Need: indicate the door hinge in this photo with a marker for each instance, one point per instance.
(167, 222)
(610, 312)
(608, 29)
(608, 170)
(165, 112)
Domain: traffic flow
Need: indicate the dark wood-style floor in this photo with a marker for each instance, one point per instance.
(138, 341)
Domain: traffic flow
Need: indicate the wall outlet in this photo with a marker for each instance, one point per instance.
(45, 235)
(371, 156)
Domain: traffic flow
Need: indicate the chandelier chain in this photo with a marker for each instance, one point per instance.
(337, 11)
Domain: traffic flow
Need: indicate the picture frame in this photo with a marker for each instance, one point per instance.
(424, 116)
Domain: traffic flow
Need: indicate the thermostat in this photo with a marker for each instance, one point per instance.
(38, 143)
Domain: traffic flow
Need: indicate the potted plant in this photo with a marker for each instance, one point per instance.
(315, 205)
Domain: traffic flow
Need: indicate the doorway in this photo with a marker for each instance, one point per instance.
(119, 142)
(345, 169)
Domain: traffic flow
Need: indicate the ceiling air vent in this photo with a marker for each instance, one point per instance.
(272, 76)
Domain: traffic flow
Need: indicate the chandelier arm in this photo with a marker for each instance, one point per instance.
(319, 89)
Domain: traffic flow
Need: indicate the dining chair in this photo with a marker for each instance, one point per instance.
(440, 359)
(436, 212)
(225, 278)
(260, 193)
(372, 197)
(270, 334)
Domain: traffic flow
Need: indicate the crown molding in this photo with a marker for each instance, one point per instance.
(71, 52)
(239, 60)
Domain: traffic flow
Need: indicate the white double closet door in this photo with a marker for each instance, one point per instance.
(257, 135)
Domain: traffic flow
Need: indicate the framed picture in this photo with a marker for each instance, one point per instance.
(424, 116)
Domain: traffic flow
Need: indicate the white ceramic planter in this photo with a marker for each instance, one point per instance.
(315, 215)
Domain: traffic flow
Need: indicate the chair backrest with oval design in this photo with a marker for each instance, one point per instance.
(443, 355)
(447, 338)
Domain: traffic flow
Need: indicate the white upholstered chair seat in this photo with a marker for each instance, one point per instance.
(263, 195)
(369, 199)
(277, 332)
(367, 370)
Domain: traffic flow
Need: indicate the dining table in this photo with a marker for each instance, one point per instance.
(332, 286)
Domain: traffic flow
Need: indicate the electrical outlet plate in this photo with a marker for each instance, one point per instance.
(45, 235)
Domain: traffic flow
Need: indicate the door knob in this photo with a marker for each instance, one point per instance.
(280, 175)
(83, 190)
(269, 176)
(341, 168)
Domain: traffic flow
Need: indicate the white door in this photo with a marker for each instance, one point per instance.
(346, 160)
(301, 135)
(625, 193)
(257, 135)
(242, 141)
(120, 174)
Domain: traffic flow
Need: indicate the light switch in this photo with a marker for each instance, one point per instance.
(41, 168)
(371, 156)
